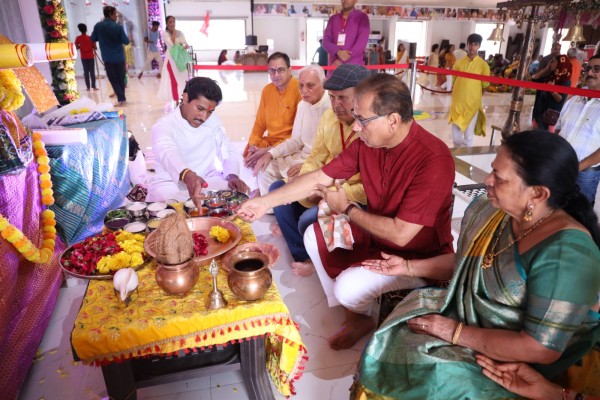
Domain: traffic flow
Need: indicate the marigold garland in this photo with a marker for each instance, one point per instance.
(11, 94)
(54, 23)
(14, 236)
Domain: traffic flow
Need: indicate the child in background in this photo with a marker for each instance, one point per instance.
(86, 47)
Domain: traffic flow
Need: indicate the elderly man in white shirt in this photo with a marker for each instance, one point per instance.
(579, 123)
(285, 159)
(190, 145)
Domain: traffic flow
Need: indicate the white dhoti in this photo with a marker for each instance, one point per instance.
(277, 170)
(355, 288)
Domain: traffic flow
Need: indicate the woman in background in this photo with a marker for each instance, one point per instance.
(222, 57)
(173, 80)
(560, 75)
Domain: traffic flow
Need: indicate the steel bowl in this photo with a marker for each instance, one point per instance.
(136, 209)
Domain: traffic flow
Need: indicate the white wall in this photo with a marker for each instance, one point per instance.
(33, 29)
(90, 15)
(285, 32)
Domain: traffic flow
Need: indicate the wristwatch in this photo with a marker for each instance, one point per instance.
(348, 209)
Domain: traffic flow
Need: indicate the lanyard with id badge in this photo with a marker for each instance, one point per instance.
(341, 40)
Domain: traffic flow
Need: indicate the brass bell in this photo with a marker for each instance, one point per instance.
(575, 33)
(496, 34)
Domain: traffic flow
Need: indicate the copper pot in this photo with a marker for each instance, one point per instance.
(250, 277)
(177, 279)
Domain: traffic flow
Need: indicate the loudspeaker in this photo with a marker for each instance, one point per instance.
(251, 40)
(412, 51)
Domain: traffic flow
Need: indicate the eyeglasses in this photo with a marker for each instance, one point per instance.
(363, 122)
(595, 68)
(279, 71)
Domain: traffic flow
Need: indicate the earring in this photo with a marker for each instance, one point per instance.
(529, 213)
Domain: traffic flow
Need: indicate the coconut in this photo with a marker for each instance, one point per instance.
(172, 241)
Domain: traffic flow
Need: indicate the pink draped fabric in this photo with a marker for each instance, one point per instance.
(28, 291)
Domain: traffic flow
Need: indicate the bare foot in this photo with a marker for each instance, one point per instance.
(303, 268)
(275, 229)
(352, 330)
(158, 76)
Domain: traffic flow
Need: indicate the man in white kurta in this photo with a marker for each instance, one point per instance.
(191, 148)
(285, 159)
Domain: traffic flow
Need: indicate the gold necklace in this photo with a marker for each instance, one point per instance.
(489, 257)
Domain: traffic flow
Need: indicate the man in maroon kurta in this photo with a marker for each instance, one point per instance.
(407, 174)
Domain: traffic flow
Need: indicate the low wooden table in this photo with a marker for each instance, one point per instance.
(159, 333)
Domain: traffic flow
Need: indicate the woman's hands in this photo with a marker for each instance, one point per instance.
(434, 325)
(519, 378)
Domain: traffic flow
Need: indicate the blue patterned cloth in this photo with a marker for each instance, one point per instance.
(89, 180)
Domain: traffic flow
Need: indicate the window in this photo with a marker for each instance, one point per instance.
(413, 31)
(485, 30)
(315, 27)
(564, 45)
(222, 33)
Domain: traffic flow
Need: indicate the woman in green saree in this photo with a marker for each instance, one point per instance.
(525, 285)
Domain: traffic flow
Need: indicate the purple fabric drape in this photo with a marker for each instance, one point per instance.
(28, 291)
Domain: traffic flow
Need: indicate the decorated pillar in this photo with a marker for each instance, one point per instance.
(54, 24)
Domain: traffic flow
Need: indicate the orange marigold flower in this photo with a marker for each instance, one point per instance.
(36, 136)
(49, 235)
(32, 255)
(40, 152)
(43, 169)
(27, 248)
(49, 243)
(47, 200)
(46, 184)
(21, 242)
(49, 222)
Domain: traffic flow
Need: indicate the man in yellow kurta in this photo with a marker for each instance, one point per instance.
(276, 111)
(334, 133)
(466, 112)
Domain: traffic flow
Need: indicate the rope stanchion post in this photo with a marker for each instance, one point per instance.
(412, 60)
(513, 121)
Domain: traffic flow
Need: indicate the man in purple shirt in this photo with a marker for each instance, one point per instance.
(346, 35)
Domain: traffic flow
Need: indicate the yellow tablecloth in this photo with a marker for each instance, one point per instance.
(156, 323)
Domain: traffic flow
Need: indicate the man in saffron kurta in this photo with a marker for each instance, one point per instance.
(346, 35)
(276, 111)
(407, 174)
(466, 112)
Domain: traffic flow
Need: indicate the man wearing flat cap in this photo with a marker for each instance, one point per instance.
(407, 174)
(333, 135)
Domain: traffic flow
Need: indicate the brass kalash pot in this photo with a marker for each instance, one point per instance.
(177, 279)
(249, 276)
(172, 246)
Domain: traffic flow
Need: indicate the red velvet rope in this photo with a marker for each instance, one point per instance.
(492, 79)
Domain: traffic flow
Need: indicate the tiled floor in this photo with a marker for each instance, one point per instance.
(328, 374)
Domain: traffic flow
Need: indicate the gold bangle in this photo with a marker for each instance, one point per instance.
(182, 175)
(409, 268)
(457, 334)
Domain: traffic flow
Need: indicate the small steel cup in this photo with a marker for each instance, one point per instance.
(215, 202)
(232, 205)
